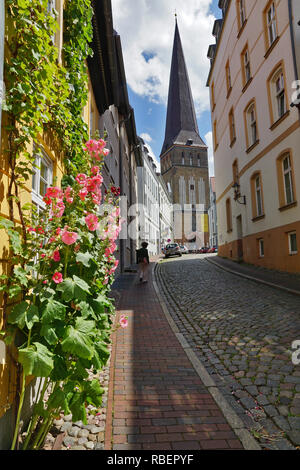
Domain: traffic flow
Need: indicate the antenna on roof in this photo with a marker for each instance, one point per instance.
(175, 14)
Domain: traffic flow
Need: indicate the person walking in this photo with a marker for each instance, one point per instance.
(143, 261)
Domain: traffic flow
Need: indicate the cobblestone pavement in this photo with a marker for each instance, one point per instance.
(242, 332)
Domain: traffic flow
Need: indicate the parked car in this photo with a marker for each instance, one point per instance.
(213, 249)
(203, 250)
(173, 249)
(184, 250)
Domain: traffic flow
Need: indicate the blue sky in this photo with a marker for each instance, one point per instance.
(147, 57)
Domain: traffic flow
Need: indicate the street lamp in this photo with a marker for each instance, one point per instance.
(237, 194)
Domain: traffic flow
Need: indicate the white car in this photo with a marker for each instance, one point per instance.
(184, 250)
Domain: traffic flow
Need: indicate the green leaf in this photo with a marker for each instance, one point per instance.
(77, 407)
(77, 343)
(32, 316)
(81, 284)
(67, 289)
(93, 392)
(18, 315)
(48, 332)
(84, 258)
(36, 360)
(53, 311)
(60, 370)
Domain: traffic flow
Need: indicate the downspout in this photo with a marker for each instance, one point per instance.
(292, 33)
(2, 24)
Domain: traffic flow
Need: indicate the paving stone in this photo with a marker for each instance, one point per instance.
(69, 441)
(83, 433)
(73, 432)
(294, 436)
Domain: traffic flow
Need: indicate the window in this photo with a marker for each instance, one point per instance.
(258, 195)
(182, 159)
(288, 180)
(241, 13)
(251, 125)
(42, 178)
(235, 172)
(51, 10)
(228, 215)
(191, 160)
(246, 66)
(261, 248)
(199, 160)
(277, 95)
(232, 127)
(271, 24)
(293, 248)
(228, 78)
(215, 135)
(213, 103)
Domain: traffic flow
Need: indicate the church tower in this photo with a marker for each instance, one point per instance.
(184, 160)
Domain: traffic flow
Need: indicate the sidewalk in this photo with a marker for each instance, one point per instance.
(156, 399)
(280, 280)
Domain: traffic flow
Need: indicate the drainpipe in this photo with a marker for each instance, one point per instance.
(2, 23)
(292, 33)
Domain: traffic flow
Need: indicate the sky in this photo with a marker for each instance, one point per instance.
(147, 30)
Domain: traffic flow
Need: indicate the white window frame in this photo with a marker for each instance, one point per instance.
(37, 197)
(279, 93)
(247, 66)
(252, 124)
(258, 196)
(288, 172)
(271, 24)
(261, 246)
(291, 251)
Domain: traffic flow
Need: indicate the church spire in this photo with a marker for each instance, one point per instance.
(181, 124)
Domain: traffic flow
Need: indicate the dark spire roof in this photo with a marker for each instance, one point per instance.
(181, 124)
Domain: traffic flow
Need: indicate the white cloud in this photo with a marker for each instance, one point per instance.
(146, 137)
(209, 143)
(147, 28)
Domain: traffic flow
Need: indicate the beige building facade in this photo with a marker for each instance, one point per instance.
(256, 129)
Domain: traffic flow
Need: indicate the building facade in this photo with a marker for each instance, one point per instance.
(256, 129)
(148, 200)
(212, 214)
(165, 213)
(184, 161)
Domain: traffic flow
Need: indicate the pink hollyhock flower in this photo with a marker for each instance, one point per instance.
(95, 170)
(56, 255)
(98, 180)
(83, 193)
(96, 198)
(91, 185)
(43, 255)
(31, 229)
(91, 146)
(57, 278)
(81, 178)
(58, 231)
(40, 230)
(54, 192)
(45, 282)
(105, 152)
(69, 237)
(47, 200)
(105, 281)
(92, 222)
(116, 262)
(123, 321)
(68, 194)
(59, 209)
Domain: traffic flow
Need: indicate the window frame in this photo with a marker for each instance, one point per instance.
(273, 94)
(36, 196)
(228, 78)
(249, 125)
(241, 14)
(261, 247)
(289, 172)
(271, 23)
(283, 205)
(292, 252)
(228, 215)
(255, 190)
(232, 127)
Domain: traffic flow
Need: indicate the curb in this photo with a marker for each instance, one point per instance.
(233, 419)
(254, 279)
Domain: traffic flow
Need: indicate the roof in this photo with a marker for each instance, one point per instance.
(181, 123)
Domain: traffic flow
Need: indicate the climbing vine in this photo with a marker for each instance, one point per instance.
(62, 331)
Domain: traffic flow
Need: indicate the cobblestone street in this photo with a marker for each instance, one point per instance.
(242, 332)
